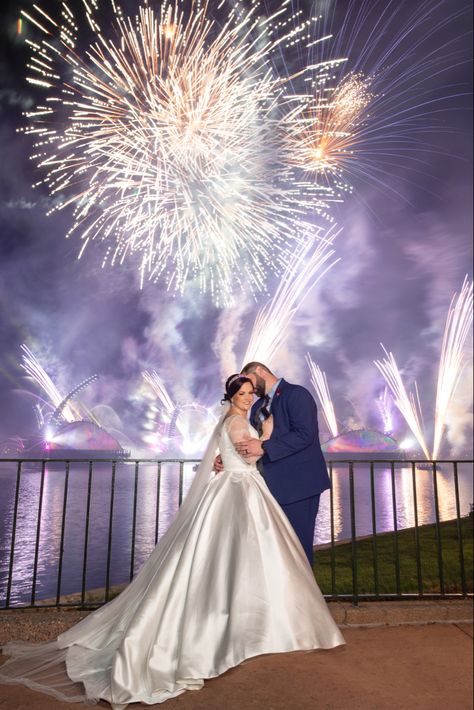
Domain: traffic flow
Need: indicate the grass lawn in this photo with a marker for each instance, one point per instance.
(385, 544)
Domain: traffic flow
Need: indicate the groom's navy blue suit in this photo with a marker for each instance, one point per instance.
(293, 464)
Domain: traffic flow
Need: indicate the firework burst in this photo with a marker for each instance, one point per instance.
(168, 138)
(378, 114)
(322, 136)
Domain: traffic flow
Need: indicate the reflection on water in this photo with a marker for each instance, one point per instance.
(157, 494)
(401, 490)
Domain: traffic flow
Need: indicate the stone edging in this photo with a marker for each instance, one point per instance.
(368, 614)
(44, 624)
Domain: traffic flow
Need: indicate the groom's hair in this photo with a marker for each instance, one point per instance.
(252, 366)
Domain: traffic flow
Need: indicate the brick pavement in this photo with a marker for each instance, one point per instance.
(400, 656)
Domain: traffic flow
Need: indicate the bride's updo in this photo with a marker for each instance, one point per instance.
(232, 385)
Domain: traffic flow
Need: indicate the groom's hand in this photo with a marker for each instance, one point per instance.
(249, 447)
(218, 465)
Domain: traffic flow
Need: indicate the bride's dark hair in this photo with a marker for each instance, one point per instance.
(233, 384)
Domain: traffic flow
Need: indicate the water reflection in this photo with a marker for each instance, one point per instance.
(157, 495)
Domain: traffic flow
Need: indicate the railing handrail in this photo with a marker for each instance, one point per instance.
(135, 459)
(98, 460)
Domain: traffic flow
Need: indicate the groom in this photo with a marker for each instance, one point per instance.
(292, 462)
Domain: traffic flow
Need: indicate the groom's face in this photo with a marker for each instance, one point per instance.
(258, 383)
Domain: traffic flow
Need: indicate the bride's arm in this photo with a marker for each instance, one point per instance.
(238, 430)
(251, 449)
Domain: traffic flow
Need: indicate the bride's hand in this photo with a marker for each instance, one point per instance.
(267, 427)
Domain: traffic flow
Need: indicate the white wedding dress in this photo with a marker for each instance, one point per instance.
(229, 581)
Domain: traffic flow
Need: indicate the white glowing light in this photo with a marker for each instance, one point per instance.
(159, 388)
(320, 384)
(407, 404)
(35, 370)
(452, 360)
(407, 443)
(309, 264)
(384, 405)
(173, 138)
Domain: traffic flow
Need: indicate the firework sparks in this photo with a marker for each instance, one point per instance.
(384, 405)
(159, 415)
(320, 384)
(390, 113)
(458, 325)
(407, 404)
(172, 149)
(191, 427)
(184, 428)
(159, 388)
(322, 136)
(35, 370)
(61, 406)
(306, 268)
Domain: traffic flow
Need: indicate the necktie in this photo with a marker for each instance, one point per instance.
(262, 413)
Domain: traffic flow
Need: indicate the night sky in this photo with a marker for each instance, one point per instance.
(405, 248)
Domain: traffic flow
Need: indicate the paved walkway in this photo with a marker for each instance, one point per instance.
(391, 661)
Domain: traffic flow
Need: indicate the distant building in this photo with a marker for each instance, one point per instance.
(75, 440)
(362, 443)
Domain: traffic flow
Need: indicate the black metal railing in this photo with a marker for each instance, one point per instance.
(48, 511)
(458, 523)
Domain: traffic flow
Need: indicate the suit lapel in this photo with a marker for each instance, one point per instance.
(275, 405)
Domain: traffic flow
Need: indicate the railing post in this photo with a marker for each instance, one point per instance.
(158, 492)
(134, 521)
(438, 530)
(459, 530)
(109, 543)
(417, 532)
(63, 528)
(38, 532)
(355, 589)
(374, 529)
(181, 482)
(395, 530)
(333, 546)
(86, 535)
(12, 547)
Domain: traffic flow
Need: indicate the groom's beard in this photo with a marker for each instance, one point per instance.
(259, 388)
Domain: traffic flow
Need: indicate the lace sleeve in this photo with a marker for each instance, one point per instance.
(238, 429)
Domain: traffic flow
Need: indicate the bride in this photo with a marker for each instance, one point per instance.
(228, 581)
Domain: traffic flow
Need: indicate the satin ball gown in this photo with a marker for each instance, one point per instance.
(232, 584)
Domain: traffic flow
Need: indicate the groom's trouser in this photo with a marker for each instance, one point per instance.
(302, 516)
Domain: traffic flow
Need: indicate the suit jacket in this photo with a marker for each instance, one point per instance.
(293, 464)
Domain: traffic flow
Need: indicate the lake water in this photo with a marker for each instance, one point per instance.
(148, 524)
